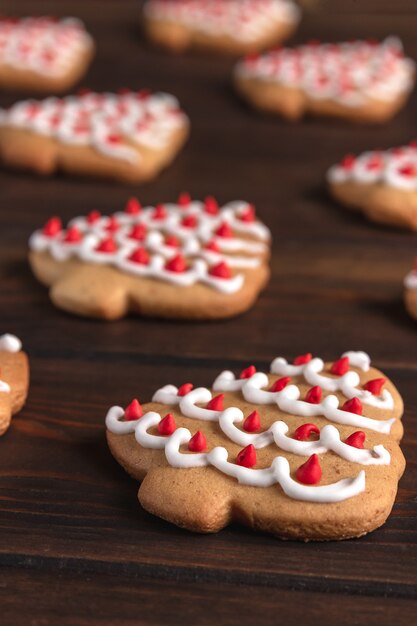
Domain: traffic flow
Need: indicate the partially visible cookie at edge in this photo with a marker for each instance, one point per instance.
(14, 379)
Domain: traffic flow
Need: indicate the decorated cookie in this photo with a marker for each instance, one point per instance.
(410, 292)
(43, 54)
(14, 379)
(190, 260)
(381, 184)
(308, 451)
(233, 27)
(363, 81)
(129, 136)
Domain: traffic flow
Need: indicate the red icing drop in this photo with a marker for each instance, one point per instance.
(375, 385)
(280, 384)
(190, 221)
(178, 264)
(348, 161)
(407, 170)
(184, 200)
(137, 232)
(252, 423)
(222, 270)
(247, 372)
(356, 439)
(224, 230)
(114, 139)
(198, 442)
(52, 227)
(304, 432)
(139, 256)
(167, 425)
(211, 206)
(172, 241)
(107, 246)
(313, 395)
(73, 235)
(309, 473)
(249, 215)
(133, 206)
(247, 456)
(340, 367)
(353, 406)
(303, 359)
(216, 403)
(184, 389)
(112, 225)
(133, 411)
(93, 217)
(159, 213)
(212, 246)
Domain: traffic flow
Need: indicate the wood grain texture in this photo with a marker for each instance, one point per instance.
(74, 543)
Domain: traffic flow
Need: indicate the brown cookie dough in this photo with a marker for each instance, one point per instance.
(270, 451)
(14, 379)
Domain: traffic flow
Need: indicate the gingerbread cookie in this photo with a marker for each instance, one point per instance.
(14, 379)
(129, 136)
(381, 184)
(307, 452)
(43, 54)
(410, 292)
(360, 81)
(189, 260)
(234, 27)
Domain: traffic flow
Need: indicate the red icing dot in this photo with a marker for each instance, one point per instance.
(340, 367)
(216, 403)
(353, 406)
(137, 232)
(356, 439)
(198, 442)
(407, 170)
(314, 395)
(413, 144)
(190, 221)
(114, 139)
(112, 225)
(107, 246)
(252, 423)
(167, 425)
(212, 246)
(222, 270)
(374, 163)
(184, 389)
(375, 385)
(224, 230)
(159, 213)
(133, 206)
(73, 235)
(249, 214)
(139, 256)
(247, 457)
(184, 200)
(144, 94)
(252, 58)
(303, 359)
(280, 384)
(247, 372)
(93, 216)
(133, 411)
(52, 227)
(211, 206)
(172, 241)
(309, 473)
(303, 432)
(178, 264)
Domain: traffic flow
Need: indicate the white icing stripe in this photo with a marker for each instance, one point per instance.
(45, 46)
(192, 241)
(10, 343)
(395, 168)
(278, 472)
(114, 125)
(349, 73)
(242, 20)
(347, 383)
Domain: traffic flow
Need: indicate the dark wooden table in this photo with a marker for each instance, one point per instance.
(75, 547)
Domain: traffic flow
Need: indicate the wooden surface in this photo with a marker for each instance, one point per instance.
(75, 547)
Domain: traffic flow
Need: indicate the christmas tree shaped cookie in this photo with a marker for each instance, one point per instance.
(14, 379)
(308, 451)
